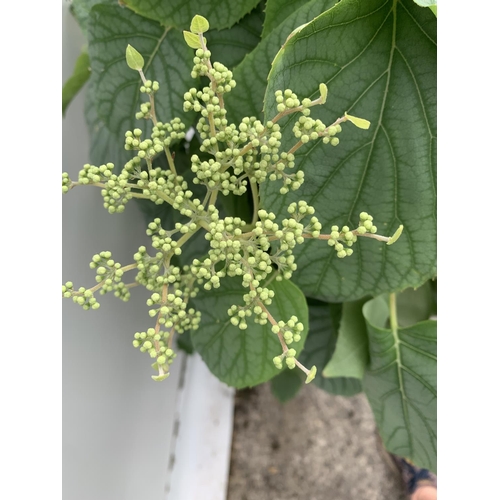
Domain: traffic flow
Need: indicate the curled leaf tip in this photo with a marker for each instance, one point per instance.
(134, 59)
(323, 92)
(159, 378)
(359, 122)
(396, 235)
(312, 374)
(199, 25)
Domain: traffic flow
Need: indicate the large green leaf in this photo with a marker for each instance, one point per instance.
(81, 73)
(415, 305)
(81, 10)
(324, 323)
(105, 147)
(378, 59)
(220, 13)
(244, 358)
(286, 385)
(167, 59)
(231, 45)
(247, 99)
(351, 352)
(401, 384)
(277, 11)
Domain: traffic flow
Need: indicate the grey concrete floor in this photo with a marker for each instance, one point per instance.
(315, 447)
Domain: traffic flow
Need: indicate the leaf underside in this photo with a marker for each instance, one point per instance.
(401, 386)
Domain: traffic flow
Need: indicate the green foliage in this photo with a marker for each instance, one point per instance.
(401, 383)
(179, 13)
(351, 352)
(378, 59)
(76, 81)
(325, 325)
(116, 87)
(244, 358)
(257, 211)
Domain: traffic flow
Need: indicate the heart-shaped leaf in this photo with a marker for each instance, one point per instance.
(378, 59)
(244, 358)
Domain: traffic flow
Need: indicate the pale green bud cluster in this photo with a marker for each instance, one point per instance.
(339, 238)
(117, 192)
(150, 87)
(286, 100)
(345, 237)
(207, 103)
(145, 111)
(83, 297)
(90, 174)
(155, 343)
(161, 137)
(307, 129)
(288, 356)
(172, 311)
(219, 74)
(109, 274)
(255, 301)
(66, 182)
(366, 224)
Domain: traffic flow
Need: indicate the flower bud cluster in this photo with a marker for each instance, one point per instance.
(339, 238)
(109, 274)
(240, 257)
(288, 356)
(67, 183)
(286, 100)
(207, 103)
(173, 312)
(83, 297)
(155, 343)
(150, 87)
(255, 302)
(366, 224)
(307, 129)
(214, 175)
(145, 111)
(220, 76)
(117, 192)
(161, 137)
(90, 174)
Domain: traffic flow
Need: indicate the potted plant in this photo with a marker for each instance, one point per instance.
(288, 182)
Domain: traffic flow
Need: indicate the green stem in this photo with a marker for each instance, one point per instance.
(151, 100)
(213, 198)
(393, 313)
(255, 199)
(170, 160)
(186, 237)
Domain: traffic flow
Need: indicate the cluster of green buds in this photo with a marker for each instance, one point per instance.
(83, 297)
(243, 155)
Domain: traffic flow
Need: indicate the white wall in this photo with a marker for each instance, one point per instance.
(117, 422)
